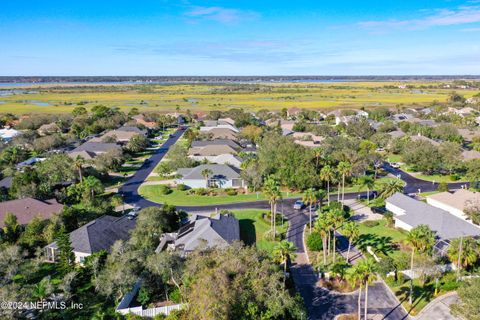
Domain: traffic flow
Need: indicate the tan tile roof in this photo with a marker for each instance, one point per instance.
(458, 199)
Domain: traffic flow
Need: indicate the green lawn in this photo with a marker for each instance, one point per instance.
(253, 228)
(382, 230)
(378, 184)
(181, 198)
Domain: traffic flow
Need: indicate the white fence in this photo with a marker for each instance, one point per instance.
(139, 311)
(151, 312)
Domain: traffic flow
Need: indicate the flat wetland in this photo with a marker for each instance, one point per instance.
(61, 98)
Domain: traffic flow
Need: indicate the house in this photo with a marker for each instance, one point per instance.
(473, 100)
(409, 213)
(340, 118)
(211, 124)
(396, 134)
(455, 202)
(226, 158)
(221, 176)
(99, 234)
(8, 134)
(229, 142)
(140, 119)
(463, 112)
(48, 128)
(401, 117)
(212, 150)
(222, 133)
(293, 112)
(227, 120)
(469, 134)
(422, 138)
(6, 183)
(307, 139)
(27, 208)
(201, 231)
(470, 154)
(29, 162)
(121, 135)
(89, 150)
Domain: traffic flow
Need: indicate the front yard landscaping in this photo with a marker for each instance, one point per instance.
(183, 198)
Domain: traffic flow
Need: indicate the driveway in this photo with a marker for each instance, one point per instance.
(439, 308)
(361, 212)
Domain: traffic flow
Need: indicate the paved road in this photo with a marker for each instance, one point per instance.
(413, 184)
(129, 190)
(439, 308)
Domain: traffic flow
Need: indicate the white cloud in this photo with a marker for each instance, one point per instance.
(220, 14)
(440, 17)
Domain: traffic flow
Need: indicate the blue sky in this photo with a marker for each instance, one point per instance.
(254, 37)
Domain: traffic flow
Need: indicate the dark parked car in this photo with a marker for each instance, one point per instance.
(373, 195)
(379, 210)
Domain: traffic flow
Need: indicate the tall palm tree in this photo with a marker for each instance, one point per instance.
(283, 251)
(206, 173)
(317, 153)
(420, 238)
(368, 183)
(310, 198)
(338, 220)
(352, 232)
(345, 169)
(391, 187)
(328, 175)
(271, 189)
(368, 269)
(92, 186)
(355, 277)
(463, 252)
(322, 227)
(78, 165)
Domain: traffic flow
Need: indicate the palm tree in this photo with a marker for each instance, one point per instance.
(206, 173)
(352, 232)
(283, 251)
(355, 277)
(310, 198)
(345, 169)
(368, 183)
(420, 238)
(317, 153)
(328, 175)
(271, 189)
(463, 252)
(337, 221)
(391, 187)
(92, 186)
(78, 164)
(368, 270)
(322, 227)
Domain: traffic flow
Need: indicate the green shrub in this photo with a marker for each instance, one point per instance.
(314, 242)
(454, 177)
(164, 189)
(175, 296)
(443, 186)
(371, 223)
(181, 187)
(201, 192)
(231, 192)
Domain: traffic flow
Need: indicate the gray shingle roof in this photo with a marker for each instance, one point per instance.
(235, 145)
(95, 147)
(445, 224)
(101, 234)
(219, 171)
(220, 230)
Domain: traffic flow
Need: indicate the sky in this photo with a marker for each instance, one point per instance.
(243, 37)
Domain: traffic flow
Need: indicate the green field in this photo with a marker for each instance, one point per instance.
(181, 198)
(63, 98)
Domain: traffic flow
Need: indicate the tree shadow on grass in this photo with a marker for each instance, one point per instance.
(247, 231)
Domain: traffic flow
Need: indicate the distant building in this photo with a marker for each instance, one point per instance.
(228, 159)
(89, 150)
(205, 232)
(8, 134)
(49, 128)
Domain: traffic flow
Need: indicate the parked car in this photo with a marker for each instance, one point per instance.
(372, 195)
(298, 205)
(394, 165)
(379, 210)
